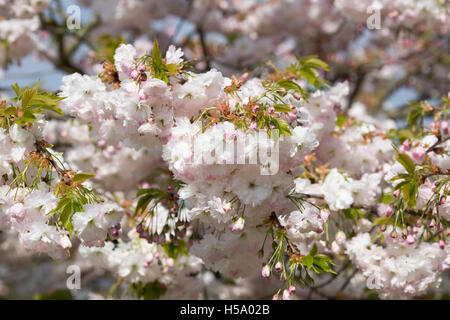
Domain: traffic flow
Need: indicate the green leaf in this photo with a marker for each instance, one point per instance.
(353, 214)
(341, 120)
(382, 220)
(173, 251)
(11, 111)
(409, 192)
(308, 261)
(157, 63)
(149, 291)
(387, 198)
(282, 108)
(172, 68)
(60, 294)
(28, 94)
(65, 217)
(17, 90)
(406, 162)
(83, 176)
(402, 176)
(291, 85)
(313, 250)
(282, 126)
(147, 195)
(315, 62)
(27, 117)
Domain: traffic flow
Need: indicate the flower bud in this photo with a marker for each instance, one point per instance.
(278, 267)
(141, 68)
(265, 271)
(396, 193)
(292, 116)
(292, 289)
(134, 75)
(238, 225)
(410, 239)
(340, 237)
(444, 126)
(271, 110)
(405, 146)
(417, 154)
(102, 143)
(286, 295)
(388, 211)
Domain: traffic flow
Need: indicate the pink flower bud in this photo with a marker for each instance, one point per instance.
(253, 126)
(145, 185)
(444, 126)
(278, 267)
(271, 110)
(110, 150)
(297, 96)
(102, 143)
(417, 154)
(292, 117)
(134, 74)
(441, 244)
(292, 289)
(410, 239)
(255, 109)
(286, 295)
(265, 271)
(293, 107)
(396, 193)
(141, 68)
(142, 77)
(389, 210)
(324, 215)
(405, 146)
(169, 188)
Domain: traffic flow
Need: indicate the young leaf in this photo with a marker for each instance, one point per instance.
(282, 108)
(157, 63)
(83, 176)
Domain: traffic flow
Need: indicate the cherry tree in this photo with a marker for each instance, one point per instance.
(227, 149)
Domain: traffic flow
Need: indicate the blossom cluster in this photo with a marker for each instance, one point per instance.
(172, 178)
